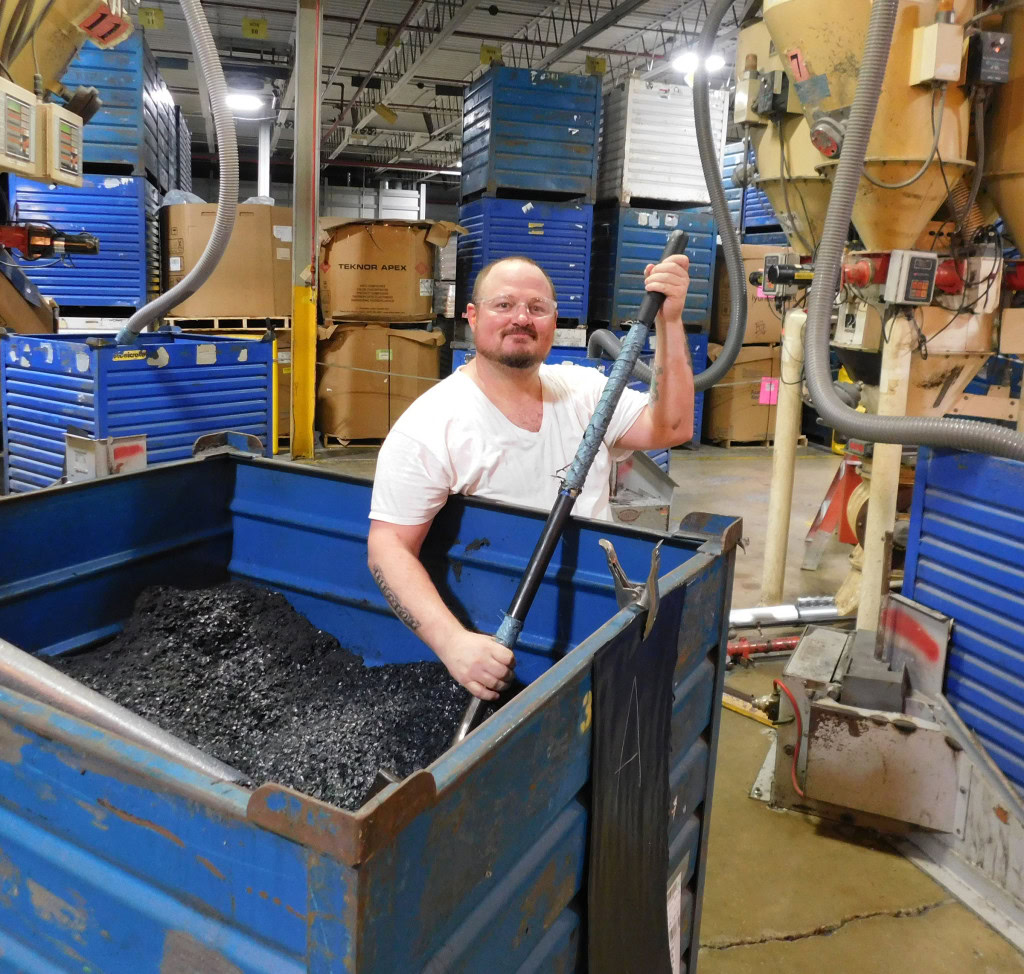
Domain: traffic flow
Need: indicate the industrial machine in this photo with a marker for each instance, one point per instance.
(891, 147)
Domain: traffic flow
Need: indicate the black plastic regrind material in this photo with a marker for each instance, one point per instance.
(237, 672)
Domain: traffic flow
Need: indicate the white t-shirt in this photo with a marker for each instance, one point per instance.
(454, 440)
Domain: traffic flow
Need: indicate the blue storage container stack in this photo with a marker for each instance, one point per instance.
(626, 240)
(529, 174)
(136, 149)
(752, 213)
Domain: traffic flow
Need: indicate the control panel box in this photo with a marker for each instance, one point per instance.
(61, 135)
(911, 277)
(19, 138)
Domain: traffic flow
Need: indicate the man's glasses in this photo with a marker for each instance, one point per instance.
(504, 306)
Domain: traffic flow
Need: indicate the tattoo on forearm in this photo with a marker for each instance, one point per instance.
(656, 373)
(396, 606)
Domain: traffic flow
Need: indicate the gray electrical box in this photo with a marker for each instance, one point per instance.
(911, 277)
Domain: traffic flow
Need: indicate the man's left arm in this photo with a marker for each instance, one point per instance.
(668, 418)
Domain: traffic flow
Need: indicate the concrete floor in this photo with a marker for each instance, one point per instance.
(786, 892)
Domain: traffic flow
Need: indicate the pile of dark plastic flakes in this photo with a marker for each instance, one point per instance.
(235, 671)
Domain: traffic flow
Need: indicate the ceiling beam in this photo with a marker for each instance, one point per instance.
(597, 27)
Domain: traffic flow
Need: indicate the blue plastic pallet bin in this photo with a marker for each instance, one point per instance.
(531, 132)
(121, 211)
(173, 388)
(556, 235)
(627, 239)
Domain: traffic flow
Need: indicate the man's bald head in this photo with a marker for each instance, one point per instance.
(481, 278)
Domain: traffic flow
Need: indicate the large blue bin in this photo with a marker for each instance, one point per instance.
(115, 859)
(627, 239)
(556, 235)
(964, 557)
(531, 132)
(173, 388)
(119, 210)
(135, 129)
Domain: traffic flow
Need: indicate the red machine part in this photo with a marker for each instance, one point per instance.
(1013, 278)
(874, 268)
(743, 648)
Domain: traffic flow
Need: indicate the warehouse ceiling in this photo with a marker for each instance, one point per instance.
(415, 57)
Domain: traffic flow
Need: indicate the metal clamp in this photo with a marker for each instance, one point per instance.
(641, 594)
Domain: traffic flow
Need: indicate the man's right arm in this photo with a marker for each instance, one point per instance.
(480, 663)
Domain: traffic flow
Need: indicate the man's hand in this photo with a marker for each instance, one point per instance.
(480, 663)
(671, 277)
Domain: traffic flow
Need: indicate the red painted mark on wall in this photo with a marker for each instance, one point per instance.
(913, 633)
(797, 65)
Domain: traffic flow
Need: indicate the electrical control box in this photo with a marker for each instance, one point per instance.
(937, 53)
(988, 58)
(911, 277)
(769, 285)
(748, 88)
(773, 95)
(19, 138)
(61, 135)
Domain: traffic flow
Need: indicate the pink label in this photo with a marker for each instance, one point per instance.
(761, 294)
(769, 391)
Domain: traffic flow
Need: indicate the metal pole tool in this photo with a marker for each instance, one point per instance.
(512, 625)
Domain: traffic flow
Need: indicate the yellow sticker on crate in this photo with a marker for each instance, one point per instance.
(152, 18)
(490, 54)
(132, 354)
(255, 28)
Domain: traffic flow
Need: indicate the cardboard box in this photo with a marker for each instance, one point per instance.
(368, 374)
(22, 308)
(253, 278)
(732, 409)
(764, 323)
(380, 270)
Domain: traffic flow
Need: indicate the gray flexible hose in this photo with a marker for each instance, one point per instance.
(227, 197)
(959, 434)
(719, 206)
(603, 340)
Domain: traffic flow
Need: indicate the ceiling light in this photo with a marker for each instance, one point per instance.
(686, 63)
(239, 101)
(714, 62)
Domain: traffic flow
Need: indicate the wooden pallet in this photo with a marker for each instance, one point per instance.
(231, 324)
(767, 441)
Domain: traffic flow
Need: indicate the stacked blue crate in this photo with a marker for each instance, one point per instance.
(528, 133)
(529, 173)
(120, 211)
(556, 235)
(760, 222)
(133, 154)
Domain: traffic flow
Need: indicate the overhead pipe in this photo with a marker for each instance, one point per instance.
(388, 48)
(227, 198)
(24, 673)
(604, 340)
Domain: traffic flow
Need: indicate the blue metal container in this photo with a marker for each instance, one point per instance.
(134, 128)
(627, 239)
(531, 132)
(556, 235)
(173, 388)
(757, 210)
(477, 863)
(964, 558)
(122, 212)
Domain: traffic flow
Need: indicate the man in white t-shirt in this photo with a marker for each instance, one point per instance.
(506, 427)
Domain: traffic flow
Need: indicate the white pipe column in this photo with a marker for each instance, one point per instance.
(263, 159)
(788, 415)
(893, 387)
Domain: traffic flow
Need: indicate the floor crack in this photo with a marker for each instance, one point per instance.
(828, 929)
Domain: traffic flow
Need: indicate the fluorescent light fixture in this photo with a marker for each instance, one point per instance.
(240, 101)
(686, 63)
(714, 62)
